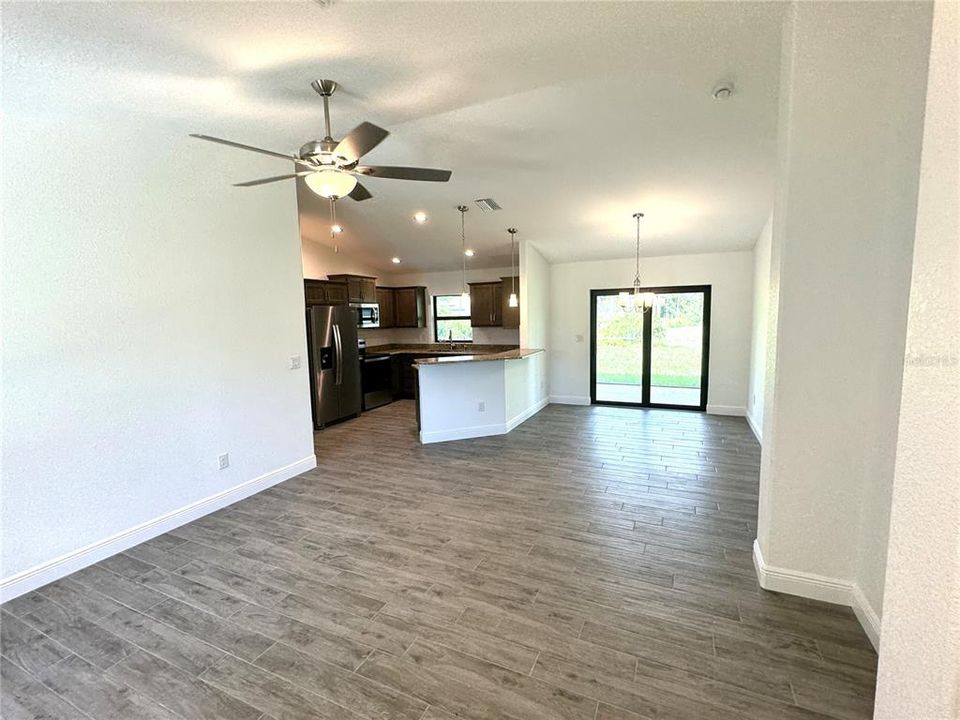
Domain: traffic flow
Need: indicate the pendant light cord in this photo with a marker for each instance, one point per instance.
(513, 251)
(636, 277)
(463, 244)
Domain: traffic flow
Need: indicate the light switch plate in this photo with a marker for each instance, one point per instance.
(294, 362)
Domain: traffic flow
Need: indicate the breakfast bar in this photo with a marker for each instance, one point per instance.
(475, 395)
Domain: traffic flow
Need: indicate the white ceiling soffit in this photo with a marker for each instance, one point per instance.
(571, 115)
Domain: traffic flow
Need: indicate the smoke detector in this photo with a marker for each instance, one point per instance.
(723, 91)
(487, 204)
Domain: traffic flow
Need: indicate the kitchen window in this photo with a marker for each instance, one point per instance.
(451, 318)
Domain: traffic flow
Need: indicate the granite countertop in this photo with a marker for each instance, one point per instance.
(512, 354)
(438, 349)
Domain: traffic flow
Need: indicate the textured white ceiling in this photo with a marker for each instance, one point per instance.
(571, 115)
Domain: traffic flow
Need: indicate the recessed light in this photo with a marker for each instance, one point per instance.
(336, 228)
(420, 217)
(469, 253)
(395, 261)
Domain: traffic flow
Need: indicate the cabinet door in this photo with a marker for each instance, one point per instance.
(314, 292)
(388, 313)
(355, 289)
(481, 305)
(406, 307)
(336, 293)
(368, 290)
(510, 315)
(496, 317)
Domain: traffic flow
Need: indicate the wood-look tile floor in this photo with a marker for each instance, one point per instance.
(594, 564)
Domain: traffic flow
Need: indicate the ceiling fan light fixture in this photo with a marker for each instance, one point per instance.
(331, 183)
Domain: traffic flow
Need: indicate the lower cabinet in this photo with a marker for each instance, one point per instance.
(404, 377)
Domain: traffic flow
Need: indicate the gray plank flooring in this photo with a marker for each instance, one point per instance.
(594, 564)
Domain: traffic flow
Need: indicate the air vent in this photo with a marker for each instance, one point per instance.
(487, 204)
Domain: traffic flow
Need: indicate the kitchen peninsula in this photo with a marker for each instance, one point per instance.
(475, 395)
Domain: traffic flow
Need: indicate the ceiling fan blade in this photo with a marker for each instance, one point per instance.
(361, 140)
(404, 173)
(275, 178)
(251, 148)
(360, 193)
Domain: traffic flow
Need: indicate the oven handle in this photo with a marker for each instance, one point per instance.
(376, 359)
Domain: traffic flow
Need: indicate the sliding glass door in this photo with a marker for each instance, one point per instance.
(655, 358)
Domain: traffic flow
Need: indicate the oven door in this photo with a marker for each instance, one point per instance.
(377, 379)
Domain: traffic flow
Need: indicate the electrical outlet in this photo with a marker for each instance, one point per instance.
(294, 362)
(482, 406)
(223, 461)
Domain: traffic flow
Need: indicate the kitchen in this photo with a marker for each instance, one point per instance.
(404, 330)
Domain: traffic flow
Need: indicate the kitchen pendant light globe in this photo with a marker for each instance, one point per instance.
(513, 301)
(331, 183)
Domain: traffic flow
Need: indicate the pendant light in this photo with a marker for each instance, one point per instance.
(513, 301)
(637, 301)
(465, 294)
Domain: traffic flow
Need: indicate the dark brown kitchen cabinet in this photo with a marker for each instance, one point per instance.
(410, 305)
(510, 315)
(360, 288)
(486, 299)
(324, 292)
(388, 312)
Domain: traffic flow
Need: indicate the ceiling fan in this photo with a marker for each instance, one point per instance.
(331, 167)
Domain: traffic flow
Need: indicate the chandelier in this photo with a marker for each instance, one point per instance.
(637, 301)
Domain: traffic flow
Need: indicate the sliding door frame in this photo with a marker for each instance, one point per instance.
(648, 347)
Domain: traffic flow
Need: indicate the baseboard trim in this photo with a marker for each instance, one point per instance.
(40, 575)
(527, 414)
(797, 582)
(464, 433)
(818, 587)
(569, 400)
(726, 410)
(868, 617)
(756, 430)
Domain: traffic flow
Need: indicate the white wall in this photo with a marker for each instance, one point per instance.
(442, 283)
(535, 314)
(320, 260)
(149, 314)
(731, 278)
(919, 674)
(758, 333)
(851, 123)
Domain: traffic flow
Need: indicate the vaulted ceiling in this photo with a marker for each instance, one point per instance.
(572, 116)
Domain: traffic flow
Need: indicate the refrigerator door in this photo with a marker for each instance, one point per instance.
(348, 370)
(323, 365)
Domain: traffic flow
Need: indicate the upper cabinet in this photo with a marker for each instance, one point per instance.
(360, 288)
(510, 315)
(411, 306)
(486, 304)
(388, 312)
(402, 307)
(325, 292)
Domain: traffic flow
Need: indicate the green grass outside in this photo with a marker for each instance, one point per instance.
(674, 365)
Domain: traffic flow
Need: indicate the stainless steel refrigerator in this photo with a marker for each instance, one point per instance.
(334, 363)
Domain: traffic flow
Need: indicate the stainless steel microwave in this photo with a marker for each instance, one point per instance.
(368, 314)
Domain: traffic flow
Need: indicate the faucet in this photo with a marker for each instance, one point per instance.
(450, 339)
